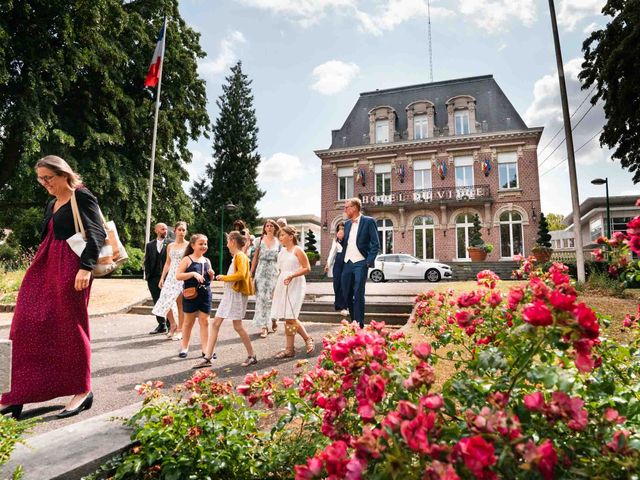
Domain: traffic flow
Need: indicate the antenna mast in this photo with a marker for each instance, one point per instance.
(430, 52)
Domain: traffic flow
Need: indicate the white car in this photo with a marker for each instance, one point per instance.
(400, 266)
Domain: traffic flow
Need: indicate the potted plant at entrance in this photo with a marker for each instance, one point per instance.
(542, 249)
(478, 249)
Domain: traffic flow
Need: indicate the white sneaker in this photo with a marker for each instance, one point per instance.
(344, 312)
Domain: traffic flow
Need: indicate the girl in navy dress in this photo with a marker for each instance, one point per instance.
(195, 270)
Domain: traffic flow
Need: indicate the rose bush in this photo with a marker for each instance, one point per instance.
(537, 391)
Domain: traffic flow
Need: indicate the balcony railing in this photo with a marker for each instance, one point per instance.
(472, 193)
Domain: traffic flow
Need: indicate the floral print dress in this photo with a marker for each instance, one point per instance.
(171, 289)
(265, 277)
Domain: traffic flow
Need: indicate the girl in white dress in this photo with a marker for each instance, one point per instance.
(169, 305)
(233, 305)
(288, 295)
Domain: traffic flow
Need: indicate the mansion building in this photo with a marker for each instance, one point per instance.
(424, 159)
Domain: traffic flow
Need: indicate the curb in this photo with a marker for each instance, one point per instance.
(74, 451)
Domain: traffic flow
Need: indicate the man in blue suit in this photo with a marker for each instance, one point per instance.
(360, 245)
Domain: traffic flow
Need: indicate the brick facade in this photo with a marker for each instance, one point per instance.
(442, 202)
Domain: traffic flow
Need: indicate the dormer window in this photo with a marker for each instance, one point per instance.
(382, 124)
(461, 122)
(420, 127)
(382, 131)
(461, 111)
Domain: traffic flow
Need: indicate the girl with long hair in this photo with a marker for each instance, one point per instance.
(264, 269)
(233, 305)
(195, 271)
(169, 304)
(289, 292)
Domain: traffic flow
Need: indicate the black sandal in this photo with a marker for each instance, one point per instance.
(251, 360)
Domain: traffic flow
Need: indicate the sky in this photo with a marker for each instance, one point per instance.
(309, 60)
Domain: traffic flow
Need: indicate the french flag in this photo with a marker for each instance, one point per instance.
(153, 76)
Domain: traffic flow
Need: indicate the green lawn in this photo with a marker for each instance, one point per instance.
(9, 285)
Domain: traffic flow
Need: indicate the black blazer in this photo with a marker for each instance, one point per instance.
(63, 226)
(154, 261)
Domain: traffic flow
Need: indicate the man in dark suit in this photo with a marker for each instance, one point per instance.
(155, 254)
(360, 245)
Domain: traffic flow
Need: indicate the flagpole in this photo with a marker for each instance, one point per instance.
(147, 231)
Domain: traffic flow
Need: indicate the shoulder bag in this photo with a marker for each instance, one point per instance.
(112, 254)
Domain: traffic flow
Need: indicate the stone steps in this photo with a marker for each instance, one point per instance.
(468, 270)
(322, 312)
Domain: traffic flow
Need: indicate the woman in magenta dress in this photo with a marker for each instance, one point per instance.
(50, 327)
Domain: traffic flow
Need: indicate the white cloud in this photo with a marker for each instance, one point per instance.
(395, 12)
(304, 12)
(280, 167)
(378, 16)
(291, 185)
(590, 28)
(502, 46)
(495, 16)
(571, 12)
(546, 110)
(333, 76)
(225, 58)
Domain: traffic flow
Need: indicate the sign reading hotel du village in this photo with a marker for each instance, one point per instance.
(428, 195)
(425, 160)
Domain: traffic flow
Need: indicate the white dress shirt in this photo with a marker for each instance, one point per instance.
(352, 253)
(159, 244)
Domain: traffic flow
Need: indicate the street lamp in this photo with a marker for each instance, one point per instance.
(230, 207)
(605, 182)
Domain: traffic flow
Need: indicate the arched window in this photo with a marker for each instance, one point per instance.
(423, 237)
(464, 222)
(385, 235)
(511, 234)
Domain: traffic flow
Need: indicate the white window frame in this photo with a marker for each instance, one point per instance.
(422, 170)
(467, 227)
(424, 227)
(510, 159)
(384, 170)
(595, 220)
(462, 114)
(387, 226)
(420, 127)
(511, 222)
(346, 174)
(382, 131)
(464, 164)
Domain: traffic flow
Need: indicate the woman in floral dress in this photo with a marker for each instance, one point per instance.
(264, 270)
(169, 304)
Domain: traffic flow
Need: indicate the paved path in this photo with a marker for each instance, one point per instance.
(124, 354)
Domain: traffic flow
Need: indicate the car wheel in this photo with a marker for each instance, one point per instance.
(432, 275)
(377, 276)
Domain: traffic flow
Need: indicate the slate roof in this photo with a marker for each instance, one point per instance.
(492, 107)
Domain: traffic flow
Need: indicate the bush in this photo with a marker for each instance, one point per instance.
(9, 254)
(535, 392)
(11, 432)
(134, 265)
(601, 283)
(313, 257)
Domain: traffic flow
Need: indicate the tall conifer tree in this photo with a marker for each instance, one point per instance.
(232, 177)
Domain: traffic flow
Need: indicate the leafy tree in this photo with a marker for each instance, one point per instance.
(310, 242)
(544, 239)
(72, 84)
(611, 63)
(555, 221)
(475, 233)
(232, 177)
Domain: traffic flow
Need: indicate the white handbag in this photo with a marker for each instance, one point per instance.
(112, 254)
